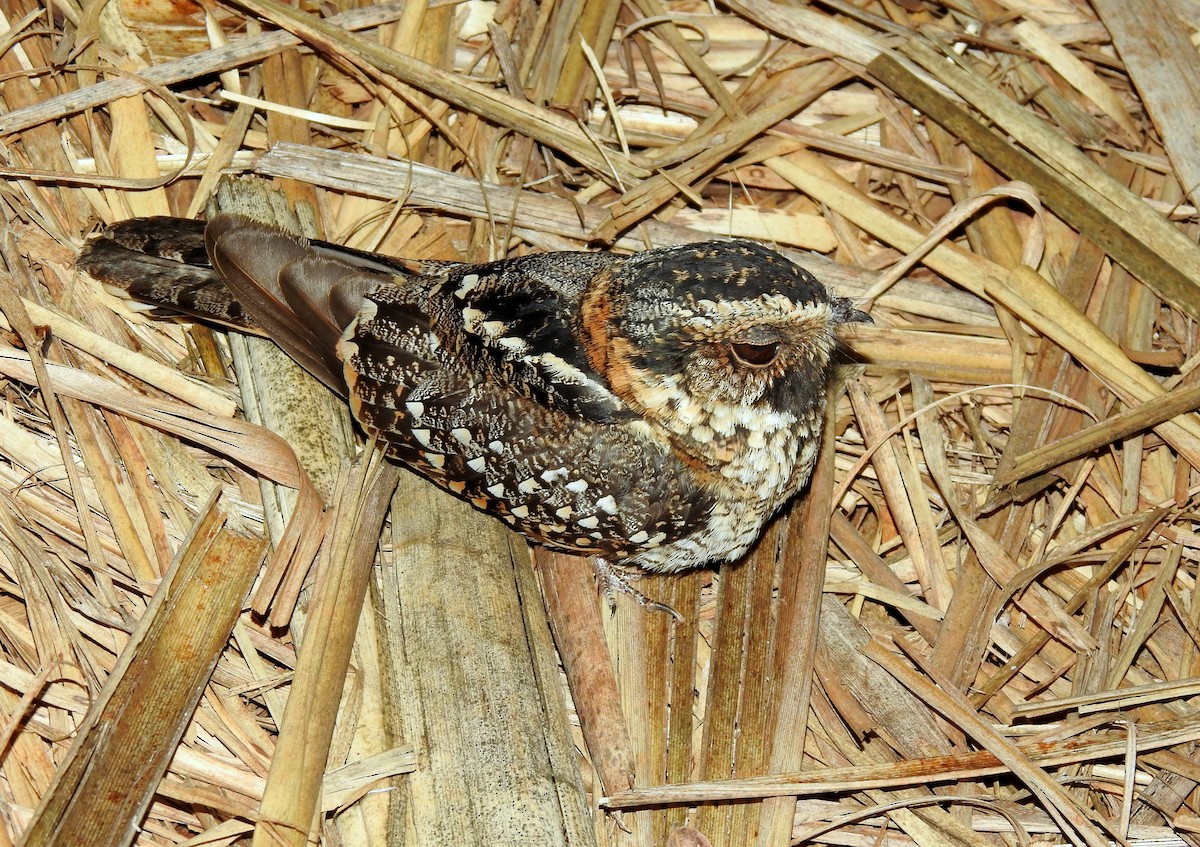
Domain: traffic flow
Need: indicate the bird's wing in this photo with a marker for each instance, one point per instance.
(522, 317)
(512, 322)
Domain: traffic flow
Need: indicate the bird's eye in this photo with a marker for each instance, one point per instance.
(755, 355)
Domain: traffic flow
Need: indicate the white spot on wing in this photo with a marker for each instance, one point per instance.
(345, 349)
(608, 504)
(577, 486)
(477, 464)
(461, 435)
(590, 522)
(471, 319)
(422, 435)
(469, 283)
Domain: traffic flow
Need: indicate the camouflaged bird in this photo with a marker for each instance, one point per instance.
(653, 409)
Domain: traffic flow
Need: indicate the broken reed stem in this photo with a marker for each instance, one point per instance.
(1122, 425)
(292, 795)
(915, 772)
(794, 649)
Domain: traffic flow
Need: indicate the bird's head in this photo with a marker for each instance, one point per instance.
(718, 340)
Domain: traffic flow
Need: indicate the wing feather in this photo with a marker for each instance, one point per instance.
(304, 294)
(523, 315)
(512, 322)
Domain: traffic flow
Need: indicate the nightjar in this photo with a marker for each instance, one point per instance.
(653, 409)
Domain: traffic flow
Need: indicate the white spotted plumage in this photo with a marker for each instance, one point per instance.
(653, 409)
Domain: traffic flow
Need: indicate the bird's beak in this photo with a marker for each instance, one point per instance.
(845, 313)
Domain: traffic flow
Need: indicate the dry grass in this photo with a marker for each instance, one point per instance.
(1001, 640)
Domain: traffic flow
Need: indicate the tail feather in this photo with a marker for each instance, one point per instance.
(244, 274)
(162, 261)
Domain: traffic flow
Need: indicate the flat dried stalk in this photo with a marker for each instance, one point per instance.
(468, 684)
(793, 657)
(915, 771)
(236, 52)
(104, 786)
(1075, 825)
(1158, 55)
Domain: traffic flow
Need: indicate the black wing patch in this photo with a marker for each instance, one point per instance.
(523, 314)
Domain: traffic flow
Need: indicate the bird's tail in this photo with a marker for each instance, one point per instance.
(162, 262)
(247, 275)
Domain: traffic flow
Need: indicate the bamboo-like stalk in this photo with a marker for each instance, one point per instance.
(1099, 435)
(293, 789)
(589, 23)
(573, 614)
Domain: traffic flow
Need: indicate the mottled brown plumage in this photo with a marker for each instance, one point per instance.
(653, 409)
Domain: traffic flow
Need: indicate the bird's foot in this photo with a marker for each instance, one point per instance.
(614, 579)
